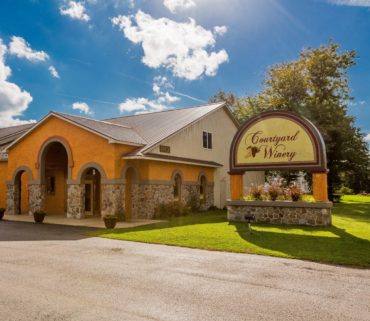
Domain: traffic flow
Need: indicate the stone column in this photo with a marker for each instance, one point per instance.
(75, 201)
(150, 196)
(12, 199)
(135, 200)
(111, 199)
(36, 197)
(209, 195)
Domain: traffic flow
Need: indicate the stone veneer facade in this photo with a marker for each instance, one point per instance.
(280, 212)
(146, 196)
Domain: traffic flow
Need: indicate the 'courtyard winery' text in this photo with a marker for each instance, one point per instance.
(278, 149)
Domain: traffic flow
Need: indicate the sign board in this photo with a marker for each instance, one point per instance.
(277, 140)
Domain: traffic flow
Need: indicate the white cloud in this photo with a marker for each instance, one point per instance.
(144, 105)
(179, 47)
(173, 5)
(354, 3)
(54, 72)
(82, 108)
(140, 105)
(21, 48)
(13, 100)
(220, 30)
(161, 85)
(367, 138)
(75, 10)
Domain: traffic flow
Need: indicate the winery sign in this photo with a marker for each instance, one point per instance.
(277, 140)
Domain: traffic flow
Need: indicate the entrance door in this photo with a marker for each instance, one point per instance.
(89, 198)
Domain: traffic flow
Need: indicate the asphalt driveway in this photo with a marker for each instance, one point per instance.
(51, 272)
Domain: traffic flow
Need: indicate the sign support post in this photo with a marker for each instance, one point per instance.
(236, 186)
(320, 186)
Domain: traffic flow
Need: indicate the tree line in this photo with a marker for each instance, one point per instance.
(315, 86)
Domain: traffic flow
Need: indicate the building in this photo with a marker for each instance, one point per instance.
(76, 166)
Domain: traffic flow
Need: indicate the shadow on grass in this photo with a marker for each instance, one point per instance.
(357, 211)
(340, 248)
(193, 219)
(323, 244)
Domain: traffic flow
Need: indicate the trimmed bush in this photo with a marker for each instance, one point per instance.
(172, 209)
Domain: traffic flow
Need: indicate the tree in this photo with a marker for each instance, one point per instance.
(316, 86)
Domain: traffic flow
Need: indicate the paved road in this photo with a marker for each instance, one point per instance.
(53, 273)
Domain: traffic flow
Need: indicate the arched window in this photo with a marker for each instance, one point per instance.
(202, 189)
(177, 187)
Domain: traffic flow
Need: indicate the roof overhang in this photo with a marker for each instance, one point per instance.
(173, 159)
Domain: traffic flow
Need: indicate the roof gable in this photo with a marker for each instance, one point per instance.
(112, 132)
(156, 127)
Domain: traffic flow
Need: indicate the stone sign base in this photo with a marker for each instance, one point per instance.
(281, 212)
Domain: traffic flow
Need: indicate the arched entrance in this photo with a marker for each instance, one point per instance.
(21, 184)
(91, 189)
(54, 173)
(130, 179)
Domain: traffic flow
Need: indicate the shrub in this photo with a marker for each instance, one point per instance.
(256, 192)
(171, 209)
(274, 191)
(214, 208)
(295, 192)
(344, 190)
(193, 201)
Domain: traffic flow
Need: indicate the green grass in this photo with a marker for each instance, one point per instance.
(347, 242)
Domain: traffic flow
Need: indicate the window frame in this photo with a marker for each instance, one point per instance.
(209, 139)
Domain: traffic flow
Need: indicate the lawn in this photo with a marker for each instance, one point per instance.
(347, 242)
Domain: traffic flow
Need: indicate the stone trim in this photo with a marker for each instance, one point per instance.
(87, 166)
(280, 204)
(40, 165)
(126, 168)
(21, 169)
(164, 182)
(175, 172)
(279, 212)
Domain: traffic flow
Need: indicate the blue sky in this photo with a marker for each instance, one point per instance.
(115, 57)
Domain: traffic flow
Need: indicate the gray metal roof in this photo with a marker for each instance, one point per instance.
(117, 132)
(144, 130)
(9, 134)
(155, 127)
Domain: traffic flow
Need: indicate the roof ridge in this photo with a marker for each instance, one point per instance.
(96, 120)
(164, 111)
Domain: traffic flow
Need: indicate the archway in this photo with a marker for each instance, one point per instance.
(129, 178)
(91, 188)
(54, 174)
(21, 193)
(177, 186)
(202, 190)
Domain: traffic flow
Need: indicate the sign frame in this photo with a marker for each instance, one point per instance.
(319, 165)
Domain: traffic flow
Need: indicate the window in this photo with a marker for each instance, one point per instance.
(202, 189)
(165, 149)
(207, 140)
(177, 187)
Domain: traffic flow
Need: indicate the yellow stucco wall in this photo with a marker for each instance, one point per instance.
(157, 170)
(86, 147)
(3, 175)
(55, 203)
